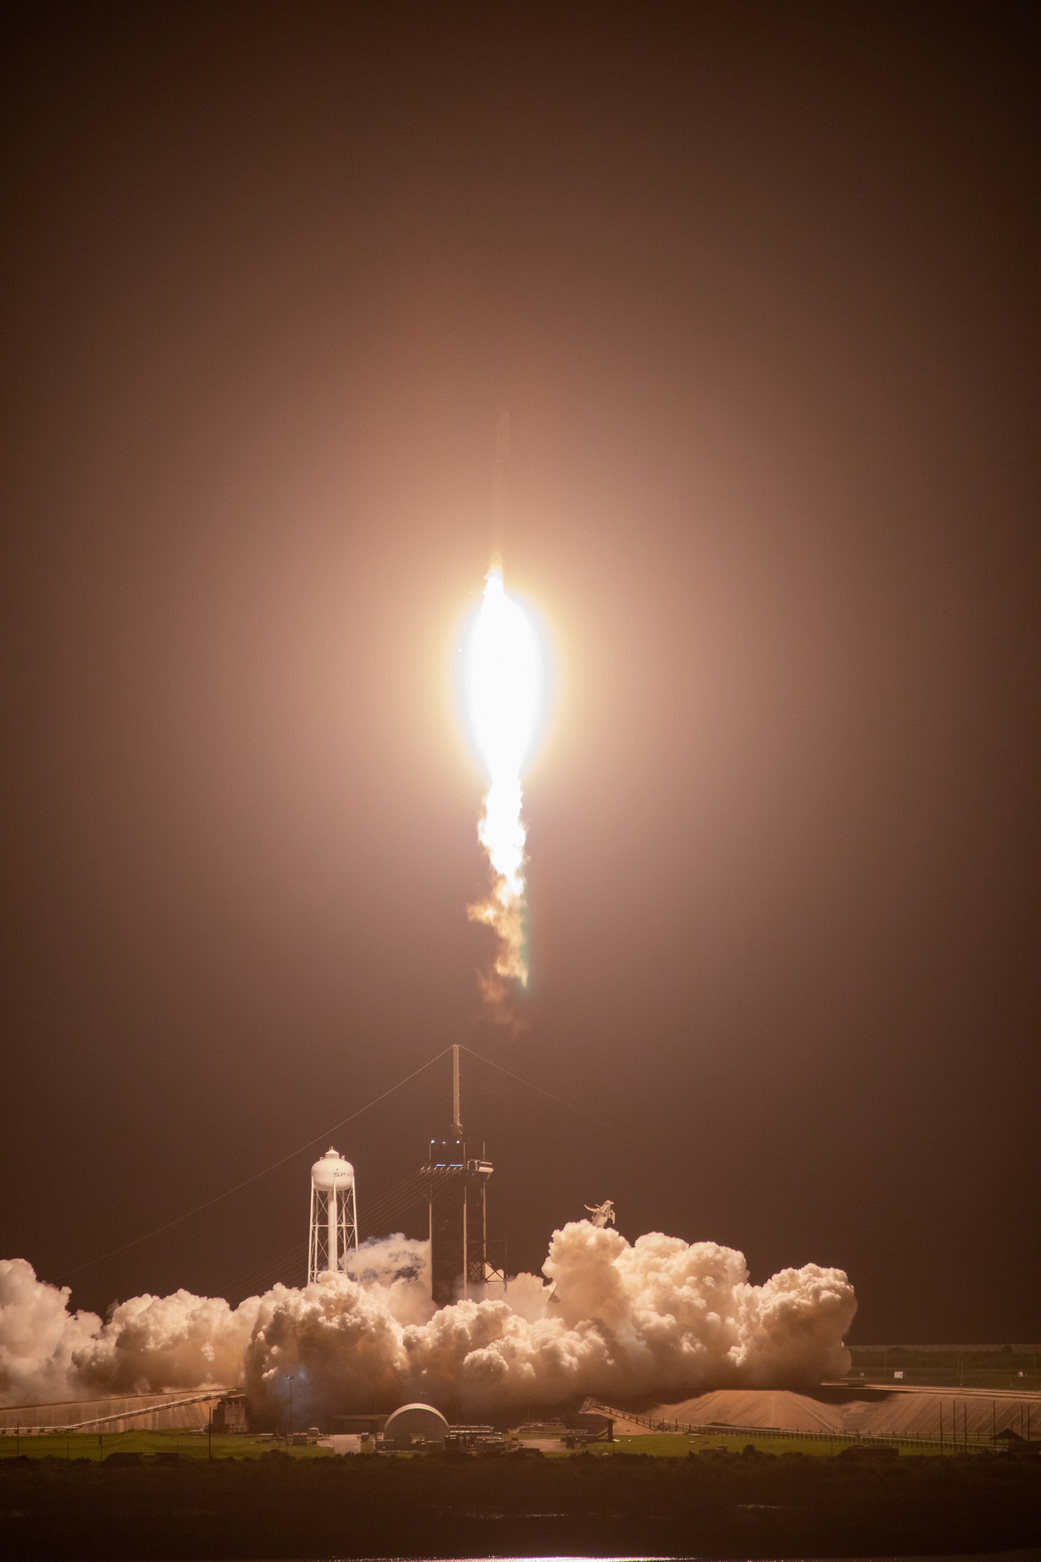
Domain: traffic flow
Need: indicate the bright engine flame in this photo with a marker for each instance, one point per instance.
(505, 692)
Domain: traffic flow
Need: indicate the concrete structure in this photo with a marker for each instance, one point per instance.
(341, 1442)
(592, 1424)
(333, 1230)
(463, 1438)
(229, 1414)
(415, 1421)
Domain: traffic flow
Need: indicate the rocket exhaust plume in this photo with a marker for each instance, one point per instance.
(504, 677)
(656, 1317)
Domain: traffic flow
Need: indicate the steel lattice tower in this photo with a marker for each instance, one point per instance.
(456, 1174)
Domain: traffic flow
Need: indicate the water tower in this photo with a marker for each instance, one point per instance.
(334, 1216)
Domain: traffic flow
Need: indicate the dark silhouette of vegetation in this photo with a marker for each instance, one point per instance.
(727, 1505)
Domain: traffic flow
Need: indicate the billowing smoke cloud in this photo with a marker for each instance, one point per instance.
(38, 1336)
(147, 1344)
(659, 1317)
(382, 1260)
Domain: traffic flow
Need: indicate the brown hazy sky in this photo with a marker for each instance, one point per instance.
(758, 285)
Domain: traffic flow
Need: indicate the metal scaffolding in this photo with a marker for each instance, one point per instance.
(456, 1174)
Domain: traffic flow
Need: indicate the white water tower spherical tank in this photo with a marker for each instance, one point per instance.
(332, 1171)
(334, 1216)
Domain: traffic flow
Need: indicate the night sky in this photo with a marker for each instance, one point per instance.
(758, 286)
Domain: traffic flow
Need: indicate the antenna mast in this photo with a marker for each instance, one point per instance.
(457, 1124)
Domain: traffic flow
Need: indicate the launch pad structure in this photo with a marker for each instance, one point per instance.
(456, 1175)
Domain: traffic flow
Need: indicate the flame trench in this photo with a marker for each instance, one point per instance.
(504, 689)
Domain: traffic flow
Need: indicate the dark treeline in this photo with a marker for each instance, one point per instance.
(728, 1506)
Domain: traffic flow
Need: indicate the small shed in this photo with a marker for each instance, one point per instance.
(1018, 1446)
(230, 1414)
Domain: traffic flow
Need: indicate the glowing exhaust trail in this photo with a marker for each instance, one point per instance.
(505, 687)
(504, 681)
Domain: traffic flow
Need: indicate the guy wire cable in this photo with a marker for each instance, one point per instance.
(114, 1252)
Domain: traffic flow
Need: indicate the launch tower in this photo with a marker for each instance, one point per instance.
(456, 1175)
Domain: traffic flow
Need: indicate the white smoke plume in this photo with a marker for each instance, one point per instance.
(146, 1344)
(38, 1336)
(659, 1317)
(382, 1260)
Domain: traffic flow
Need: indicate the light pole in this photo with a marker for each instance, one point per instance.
(291, 1377)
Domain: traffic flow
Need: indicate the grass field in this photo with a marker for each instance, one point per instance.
(665, 1445)
(613, 1502)
(194, 1445)
(188, 1445)
(950, 1377)
(936, 1368)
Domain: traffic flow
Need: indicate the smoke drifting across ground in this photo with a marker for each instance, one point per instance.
(660, 1316)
